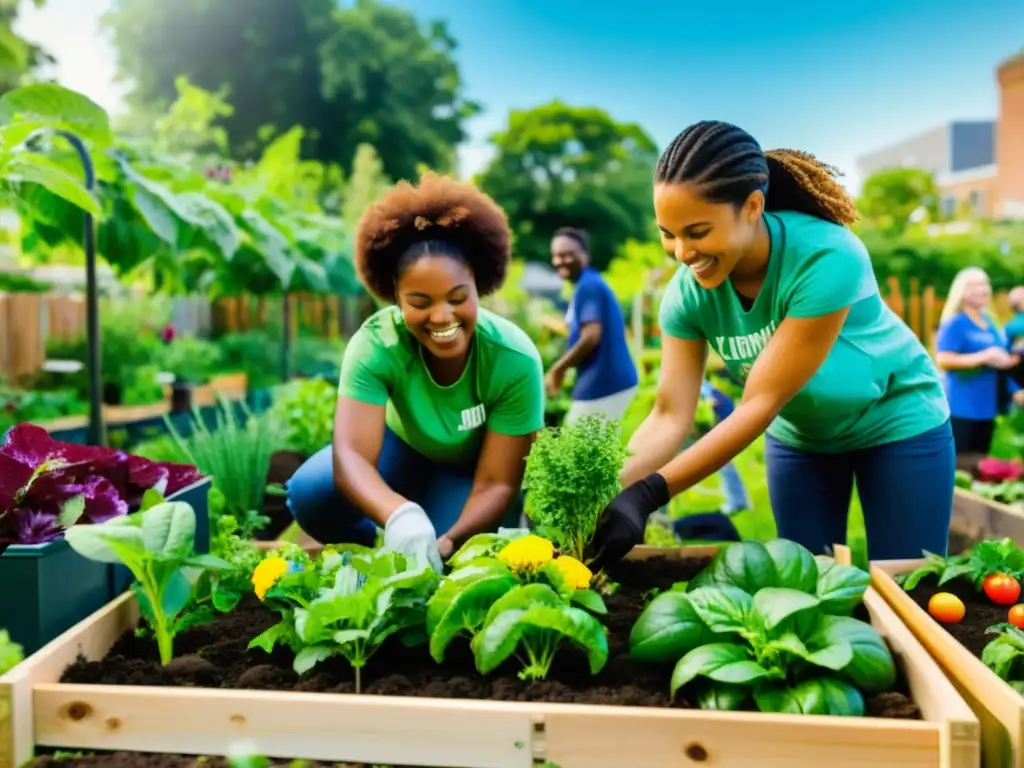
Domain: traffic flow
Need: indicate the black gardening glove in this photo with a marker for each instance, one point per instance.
(625, 518)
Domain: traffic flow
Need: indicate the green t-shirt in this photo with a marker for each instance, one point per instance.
(877, 385)
(501, 389)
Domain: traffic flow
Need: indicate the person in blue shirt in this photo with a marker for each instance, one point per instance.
(606, 376)
(971, 350)
(1015, 341)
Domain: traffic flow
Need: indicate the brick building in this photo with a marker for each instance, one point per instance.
(979, 164)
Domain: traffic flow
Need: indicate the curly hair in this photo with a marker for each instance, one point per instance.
(727, 164)
(439, 216)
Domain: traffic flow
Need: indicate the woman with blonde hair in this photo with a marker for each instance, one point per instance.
(971, 349)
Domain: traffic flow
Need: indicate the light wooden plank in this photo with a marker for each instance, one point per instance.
(998, 707)
(92, 638)
(370, 729)
(980, 519)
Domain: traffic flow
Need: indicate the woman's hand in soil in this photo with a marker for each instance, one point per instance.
(624, 520)
(409, 531)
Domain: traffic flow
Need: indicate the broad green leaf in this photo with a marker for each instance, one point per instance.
(151, 498)
(872, 667)
(269, 638)
(35, 168)
(575, 625)
(272, 245)
(95, 541)
(666, 630)
(211, 221)
(818, 696)
(52, 106)
(723, 697)
(198, 617)
(836, 656)
(1001, 657)
(746, 565)
(209, 563)
(478, 546)
(795, 566)
(225, 599)
(468, 611)
(177, 593)
(841, 588)
(169, 529)
(776, 604)
(705, 660)
(71, 511)
(497, 640)
(722, 608)
(345, 636)
(524, 597)
(453, 584)
(312, 655)
(590, 600)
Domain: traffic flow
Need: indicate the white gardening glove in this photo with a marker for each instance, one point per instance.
(409, 531)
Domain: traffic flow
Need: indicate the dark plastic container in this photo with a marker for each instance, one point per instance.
(48, 588)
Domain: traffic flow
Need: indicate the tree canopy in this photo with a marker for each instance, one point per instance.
(365, 73)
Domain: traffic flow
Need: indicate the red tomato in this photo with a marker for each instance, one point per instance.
(946, 607)
(1002, 588)
(1016, 616)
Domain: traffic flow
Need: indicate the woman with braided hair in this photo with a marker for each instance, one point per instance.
(784, 292)
(439, 399)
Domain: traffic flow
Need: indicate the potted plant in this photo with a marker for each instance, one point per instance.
(47, 486)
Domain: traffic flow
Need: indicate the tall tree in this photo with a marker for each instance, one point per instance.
(561, 165)
(367, 183)
(347, 75)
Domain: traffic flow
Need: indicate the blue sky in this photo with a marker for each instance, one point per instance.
(838, 81)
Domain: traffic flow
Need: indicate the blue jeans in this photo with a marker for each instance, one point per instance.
(905, 490)
(330, 518)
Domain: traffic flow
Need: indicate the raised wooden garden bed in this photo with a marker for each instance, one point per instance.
(979, 519)
(416, 730)
(999, 707)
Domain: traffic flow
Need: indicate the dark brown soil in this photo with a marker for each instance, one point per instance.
(283, 464)
(215, 656)
(981, 613)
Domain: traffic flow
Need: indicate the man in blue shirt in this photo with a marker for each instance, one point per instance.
(606, 377)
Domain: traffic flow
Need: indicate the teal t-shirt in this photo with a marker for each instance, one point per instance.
(502, 387)
(877, 385)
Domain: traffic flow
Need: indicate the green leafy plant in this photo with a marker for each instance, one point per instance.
(572, 473)
(981, 561)
(769, 623)
(11, 653)
(535, 620)
(157, 544)
(486, 600)
(304, 411)
(191, 360)
(1005, 655)
(374, 595)
(236, 454)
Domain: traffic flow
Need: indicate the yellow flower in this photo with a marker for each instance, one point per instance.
(267, 573)
(576, 574)
(528, 552)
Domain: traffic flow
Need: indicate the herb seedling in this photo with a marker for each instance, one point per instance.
(158, 546)
(572, 473)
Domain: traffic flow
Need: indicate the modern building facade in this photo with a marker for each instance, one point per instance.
(977, 164)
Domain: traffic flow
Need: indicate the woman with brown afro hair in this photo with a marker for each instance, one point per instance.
(775, 281)
(439, 399)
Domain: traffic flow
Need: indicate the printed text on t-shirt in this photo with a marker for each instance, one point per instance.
(745, 348)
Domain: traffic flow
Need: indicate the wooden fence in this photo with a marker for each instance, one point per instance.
(316, 315)
(27, 320)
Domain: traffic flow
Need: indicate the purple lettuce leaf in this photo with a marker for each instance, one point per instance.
(36, 527)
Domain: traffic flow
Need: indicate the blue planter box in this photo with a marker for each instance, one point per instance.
(49, 587)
